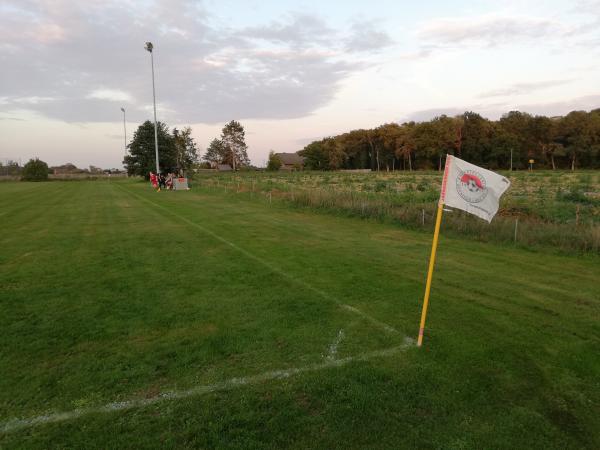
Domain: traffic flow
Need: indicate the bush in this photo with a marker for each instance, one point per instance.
(274, 162)
(35, 170)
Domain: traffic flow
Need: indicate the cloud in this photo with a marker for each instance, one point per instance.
(489, 30)
(31, 100)
(89, 56)
(496, 110)
(298, 30)
(560, 108)
(367, 36)
(523, 88)
(113, 95)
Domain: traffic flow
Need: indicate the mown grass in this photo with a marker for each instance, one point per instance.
(111, 292)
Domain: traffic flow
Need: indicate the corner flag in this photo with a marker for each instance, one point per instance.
(472, 189)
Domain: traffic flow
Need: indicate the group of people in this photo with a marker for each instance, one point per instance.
(160, 181)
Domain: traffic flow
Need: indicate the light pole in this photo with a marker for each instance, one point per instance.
(124, 131)
(150, 47)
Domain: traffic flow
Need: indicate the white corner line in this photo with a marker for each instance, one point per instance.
(232, 383)
(333, 347)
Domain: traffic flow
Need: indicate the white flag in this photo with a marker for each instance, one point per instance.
(471, 188)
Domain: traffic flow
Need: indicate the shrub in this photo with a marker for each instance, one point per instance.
(35, 170)
(274, 161)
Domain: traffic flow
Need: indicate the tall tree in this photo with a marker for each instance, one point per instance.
(476, 138)
(580, 136)
(141, 159)
(233, 139)
(407, 143)
(216, 153)
(186, 153)
(315, 156)
(543, 132)
(356, 148)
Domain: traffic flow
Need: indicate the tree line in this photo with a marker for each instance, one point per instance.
(571, 141)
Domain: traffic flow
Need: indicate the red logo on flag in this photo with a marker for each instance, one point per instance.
(471, 186)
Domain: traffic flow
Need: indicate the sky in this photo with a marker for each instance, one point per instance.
(290, 71)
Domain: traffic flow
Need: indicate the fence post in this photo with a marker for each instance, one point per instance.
(516, 228)
(270, 192)
(423, 216)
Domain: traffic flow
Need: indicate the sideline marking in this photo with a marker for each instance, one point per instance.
(384, 326)
(232, 383)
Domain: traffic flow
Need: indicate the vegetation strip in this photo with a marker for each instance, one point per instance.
(16, 424)
(382, 325)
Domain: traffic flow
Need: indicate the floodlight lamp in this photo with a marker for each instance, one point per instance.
(123, 109)
(149, 46)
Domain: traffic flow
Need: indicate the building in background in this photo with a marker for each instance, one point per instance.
(290, 161)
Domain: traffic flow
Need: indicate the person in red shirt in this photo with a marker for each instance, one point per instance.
(153, 180)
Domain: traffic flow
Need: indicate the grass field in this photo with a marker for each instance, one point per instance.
(136, 319)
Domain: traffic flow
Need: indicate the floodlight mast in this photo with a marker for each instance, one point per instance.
(150, 47)
(124, 130)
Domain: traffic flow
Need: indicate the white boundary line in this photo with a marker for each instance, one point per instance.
(333, 347)
(384, 326)
(232, 383)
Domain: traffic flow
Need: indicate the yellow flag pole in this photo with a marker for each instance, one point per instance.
(436, 233)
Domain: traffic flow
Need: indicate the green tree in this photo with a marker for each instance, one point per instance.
(543, 132)
(186, 152)
(389, 134)
(274, 161)
(142, 159)
(357, 149)
(233, 139)
(579, 133)
(337, 155)
(476, 139)
(35, 170)
(515, 132)
(315, 156)
(216, 153)
(407, 143)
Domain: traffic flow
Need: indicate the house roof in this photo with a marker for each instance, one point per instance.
(290, 158)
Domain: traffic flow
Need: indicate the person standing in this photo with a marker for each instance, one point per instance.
(153, 180)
